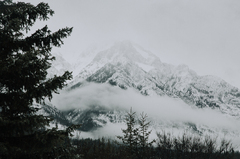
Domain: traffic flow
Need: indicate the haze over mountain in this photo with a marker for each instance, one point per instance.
(179, 32)
(109, 81)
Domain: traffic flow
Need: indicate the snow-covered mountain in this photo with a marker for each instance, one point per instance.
(126, 65)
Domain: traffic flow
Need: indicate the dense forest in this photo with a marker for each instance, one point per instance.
(167, 148)
(135, 144)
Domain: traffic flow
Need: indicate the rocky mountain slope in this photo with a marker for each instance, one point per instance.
(126, 65)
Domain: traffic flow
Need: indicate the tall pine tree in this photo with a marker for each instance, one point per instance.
(143, 136)
(24, 61)
(130, 137)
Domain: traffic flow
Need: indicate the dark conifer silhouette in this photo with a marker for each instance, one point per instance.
(24, 61)
(130, 134)
(143, 137)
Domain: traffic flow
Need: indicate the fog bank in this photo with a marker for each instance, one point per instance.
(156, 107)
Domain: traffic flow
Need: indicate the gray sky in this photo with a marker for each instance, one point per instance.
(203, 34)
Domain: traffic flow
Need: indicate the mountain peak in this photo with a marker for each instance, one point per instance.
(126, 51)
(129, 68)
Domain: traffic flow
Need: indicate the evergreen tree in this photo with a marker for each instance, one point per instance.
(129, 139)
(24, 61)
(143, 136)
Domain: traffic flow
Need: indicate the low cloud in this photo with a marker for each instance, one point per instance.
(160, 108)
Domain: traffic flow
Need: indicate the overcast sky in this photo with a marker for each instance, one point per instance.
(203, 34)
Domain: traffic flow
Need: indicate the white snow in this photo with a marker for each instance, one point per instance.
(143, 53)
(145, 67)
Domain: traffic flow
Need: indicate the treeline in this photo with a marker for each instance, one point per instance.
(135, 144)
(167, 147)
